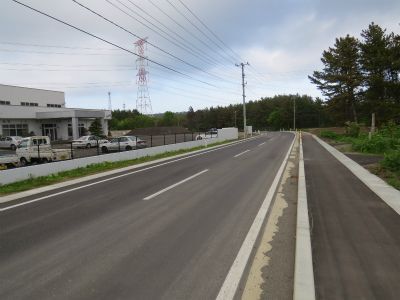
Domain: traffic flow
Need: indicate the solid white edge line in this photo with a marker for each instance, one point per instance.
(232, 280)
(387, 193)
(5, 199)
(241, 153)
(174, 185)
(304, 288)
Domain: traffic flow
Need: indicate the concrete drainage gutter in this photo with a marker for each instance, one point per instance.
(304, 288)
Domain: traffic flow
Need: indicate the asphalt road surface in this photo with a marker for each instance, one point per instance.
(355, 235)
(105, 241)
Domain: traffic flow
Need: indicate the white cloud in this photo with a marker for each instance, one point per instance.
(283, 41)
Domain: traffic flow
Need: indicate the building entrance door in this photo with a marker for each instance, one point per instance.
(50, 130)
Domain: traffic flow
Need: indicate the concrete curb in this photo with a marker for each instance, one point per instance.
(304, 288)
(32, 192)
(388, 194)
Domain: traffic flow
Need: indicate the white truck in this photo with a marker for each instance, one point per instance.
(8, 161)
(34, 149)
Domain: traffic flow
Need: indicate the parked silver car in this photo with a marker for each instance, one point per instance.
(88, 141)
(10, 142)
(123, 143)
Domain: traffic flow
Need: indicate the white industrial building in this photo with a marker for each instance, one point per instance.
(27, 111)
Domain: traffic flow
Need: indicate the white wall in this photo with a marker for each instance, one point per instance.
(230, 133)
(16, 95)
(18, 174)
(24, 112)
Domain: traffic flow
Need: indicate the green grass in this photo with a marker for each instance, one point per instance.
(391, 177)
(386, 141)
(36, 182)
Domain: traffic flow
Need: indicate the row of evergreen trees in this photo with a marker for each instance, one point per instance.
(361, 77)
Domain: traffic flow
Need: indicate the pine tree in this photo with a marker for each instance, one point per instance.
(376, 68)
(96, 128)
(341, 79)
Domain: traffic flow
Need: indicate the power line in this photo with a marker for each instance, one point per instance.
(220, 40)
(180, 25)
(167, 28)
(57, 53)
(176, 42)
(201, 31)
(55, 46)
(106, 41)
(209, 29)
(136, 36)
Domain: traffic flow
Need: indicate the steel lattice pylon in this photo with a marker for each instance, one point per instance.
(143, 103)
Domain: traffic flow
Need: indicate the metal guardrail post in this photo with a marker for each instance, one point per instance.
(72, 152)
(38, 151)
(184, 137)
(98, 149)
(136, 142)
(175, 137)
(151, 141)
(164, 139)
(119, 145)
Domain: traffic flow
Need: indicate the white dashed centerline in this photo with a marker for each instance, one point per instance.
(241, 153)
(174, 185)
(261, 144)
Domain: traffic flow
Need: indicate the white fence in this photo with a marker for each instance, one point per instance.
(18, 174)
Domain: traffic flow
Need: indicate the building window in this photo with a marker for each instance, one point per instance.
(15, 129)
(53, 105)
(2, 102)
(81, 129)
(29, 104)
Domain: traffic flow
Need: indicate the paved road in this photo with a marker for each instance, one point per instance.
(105, 242)
(355, 235)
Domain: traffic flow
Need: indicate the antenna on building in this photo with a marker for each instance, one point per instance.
(123, 106)
(109, 101)
(143, 103)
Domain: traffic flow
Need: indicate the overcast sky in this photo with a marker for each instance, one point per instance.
(282, 40)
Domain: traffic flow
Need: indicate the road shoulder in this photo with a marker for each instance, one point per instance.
(387, 193)
(272, 268)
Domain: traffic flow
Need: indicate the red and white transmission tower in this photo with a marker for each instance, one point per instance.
(143, 103)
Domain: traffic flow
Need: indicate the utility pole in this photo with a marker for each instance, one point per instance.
(294, 113)
(109, 101)
(244, 97)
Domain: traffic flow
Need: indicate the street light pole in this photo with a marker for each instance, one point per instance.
(244, 97)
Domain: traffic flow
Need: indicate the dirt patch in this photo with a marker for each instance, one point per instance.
(365, 159)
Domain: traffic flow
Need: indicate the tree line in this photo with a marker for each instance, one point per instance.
(266, 113)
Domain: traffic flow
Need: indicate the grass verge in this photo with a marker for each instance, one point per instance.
(37, 182)
(386, 142)
(392, 178)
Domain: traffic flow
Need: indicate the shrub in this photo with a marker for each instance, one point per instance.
(392, 161)
(329, 135)
(377, 144)
(352, 129)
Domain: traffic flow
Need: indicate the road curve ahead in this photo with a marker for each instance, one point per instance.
(168, 232)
